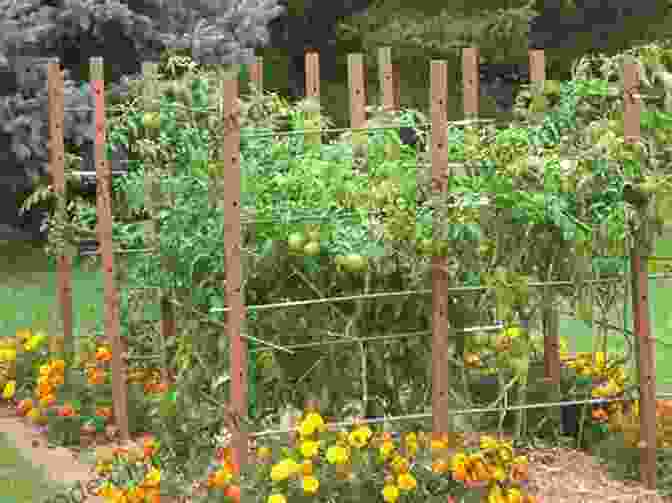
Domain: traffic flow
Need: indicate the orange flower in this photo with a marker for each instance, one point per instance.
(519, 472)
(600, 414)
(95, 376)
(66, 411)
(233, 492)
(103, 354)
(440, 466)
(105, 412)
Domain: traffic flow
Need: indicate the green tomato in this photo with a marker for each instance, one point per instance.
(354, 262)
(312, 248)
(151, 121)
(519, 366)
(479, 340)
(296, 242)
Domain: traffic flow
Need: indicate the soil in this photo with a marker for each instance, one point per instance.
(60, 464)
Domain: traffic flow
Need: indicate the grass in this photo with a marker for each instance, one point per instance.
(28, 296)
(20, 481)
(660, 296)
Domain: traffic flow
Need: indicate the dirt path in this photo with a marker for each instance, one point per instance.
(59, 464)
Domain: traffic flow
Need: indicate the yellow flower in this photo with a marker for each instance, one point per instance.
(390, 494)
(495, 495)
(514, 495)
(276, 498)
(45, 370)
(360, 437)
(406, 482)
(512, 332)
(34, 341)
(309, 448)
(498, 473)
(8, 355)
(337, 454)
(284, 469)
(400, 464)
(9, 390)
(23, 334)
(310, 485)
(488, 442)
(386, 448)
(153, 478)
(411, 448)
(313, 422)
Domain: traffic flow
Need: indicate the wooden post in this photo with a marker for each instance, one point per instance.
(640, 298)
(357, 84)
(388, 92)
(313, 92)
(550, 314)
(104, 211)
(57, 167)
(233, 282)
(257, 74)
(470, 82)
(440, 321)
(154, 202)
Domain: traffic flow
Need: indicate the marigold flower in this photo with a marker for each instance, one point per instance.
(309, 448)
(440, 466)
(390, 494)
(488, 442)
(386, 449)
(10, 389)
(400, 464)
(58, 366)
(360, 437)
(313, 422)
(337, 455)
(284, 469)
(406, 482)
(103, 354)
(310, 485)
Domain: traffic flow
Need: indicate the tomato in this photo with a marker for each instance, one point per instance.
(312, 248)
(354, 262)
(151, 121)
(296, 242)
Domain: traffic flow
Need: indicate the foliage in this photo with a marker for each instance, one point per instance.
(342, 220)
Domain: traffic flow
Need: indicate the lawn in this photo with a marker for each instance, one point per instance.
(28, 295)
(660, 296)
(20, 481)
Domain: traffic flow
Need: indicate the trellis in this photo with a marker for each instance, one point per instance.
(440, 292)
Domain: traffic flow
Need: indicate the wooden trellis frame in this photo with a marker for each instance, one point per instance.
(441, 324)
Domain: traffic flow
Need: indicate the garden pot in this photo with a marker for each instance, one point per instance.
(569, 415)
(87, 247)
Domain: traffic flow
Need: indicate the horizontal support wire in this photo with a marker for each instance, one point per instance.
(459, 412)
(455, 291)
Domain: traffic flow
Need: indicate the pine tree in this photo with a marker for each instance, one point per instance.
(124, 33)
